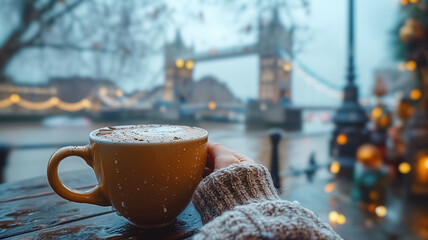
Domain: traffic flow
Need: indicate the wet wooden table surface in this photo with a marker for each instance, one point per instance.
(31, 210)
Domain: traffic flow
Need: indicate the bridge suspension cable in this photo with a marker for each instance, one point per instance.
(316, 82)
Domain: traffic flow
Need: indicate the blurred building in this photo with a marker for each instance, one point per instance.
(399, 84)
(273, 47)
(74, 89)
(208, 89)
(396, 80)
(70, 94)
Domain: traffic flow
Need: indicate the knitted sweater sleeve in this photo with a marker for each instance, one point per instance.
(240, 202)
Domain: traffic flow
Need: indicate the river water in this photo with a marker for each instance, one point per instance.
(295, 148)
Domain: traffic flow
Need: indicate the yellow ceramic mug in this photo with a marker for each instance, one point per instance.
(148, 173)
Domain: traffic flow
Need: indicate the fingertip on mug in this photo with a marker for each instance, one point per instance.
(207, 171)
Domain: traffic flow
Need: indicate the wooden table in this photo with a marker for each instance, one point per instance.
(30, 209)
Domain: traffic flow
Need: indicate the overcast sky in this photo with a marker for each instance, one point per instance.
(324, 53)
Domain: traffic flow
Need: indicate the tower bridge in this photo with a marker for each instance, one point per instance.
(274, 50)
(275, 67)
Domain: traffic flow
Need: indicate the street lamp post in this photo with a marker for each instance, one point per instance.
(350, 119)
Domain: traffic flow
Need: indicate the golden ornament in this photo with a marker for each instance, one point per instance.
(411, 30)
(369, 155)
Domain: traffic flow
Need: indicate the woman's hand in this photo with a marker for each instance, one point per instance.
(220, 157)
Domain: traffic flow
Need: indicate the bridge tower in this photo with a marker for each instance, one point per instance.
(178, 71)
(275, 53)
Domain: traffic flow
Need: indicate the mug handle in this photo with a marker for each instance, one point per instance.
(93, 196)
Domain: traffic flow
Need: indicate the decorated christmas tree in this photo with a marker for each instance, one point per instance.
(413, 34)
(413, 48)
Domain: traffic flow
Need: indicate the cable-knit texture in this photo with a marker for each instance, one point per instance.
(240, 202)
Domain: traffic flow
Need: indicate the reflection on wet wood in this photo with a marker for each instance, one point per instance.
(30, 209)
(37, 187)
(111, 226)
(27, 214)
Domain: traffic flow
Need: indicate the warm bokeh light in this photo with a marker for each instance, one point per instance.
(54, 101)
(119, 92)
(329, 187)
(425, 162)
(402, 66)
(376, 112)
(369, 155)
(384, 121)
(411, 65)
(287, 67)
(342, 139)
(86, 103)
(179, 63)
(381, 211)
(15, 98)
(404, 168)
(103, 91)
(404, 2)
(335, 217)
(189, 64)
(413, 1)
(212, 105)
(335, 167)
(332, 216)
(341, 219)
(422, 169)
(415, 94)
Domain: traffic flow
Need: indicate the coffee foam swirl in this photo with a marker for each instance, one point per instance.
(153, 133)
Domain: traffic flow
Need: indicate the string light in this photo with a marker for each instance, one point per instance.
(335, 167)
(119, 93)
(212, 105)
(381, 211)
(37, 106)
(190, 64)
(329, 188)
(425, 162)
(15, 98)
(411, 65)
(335, 217)
(179, 63)
(52, 102)
(404, 168)
(287, 67)
(103, 91)
(342, 139)
(341, 219)
(332, 216)
(377, 112)
(73, 107)
(5, 103)
(415, 94)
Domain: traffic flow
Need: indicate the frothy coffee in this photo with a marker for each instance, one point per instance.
(153, 133)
